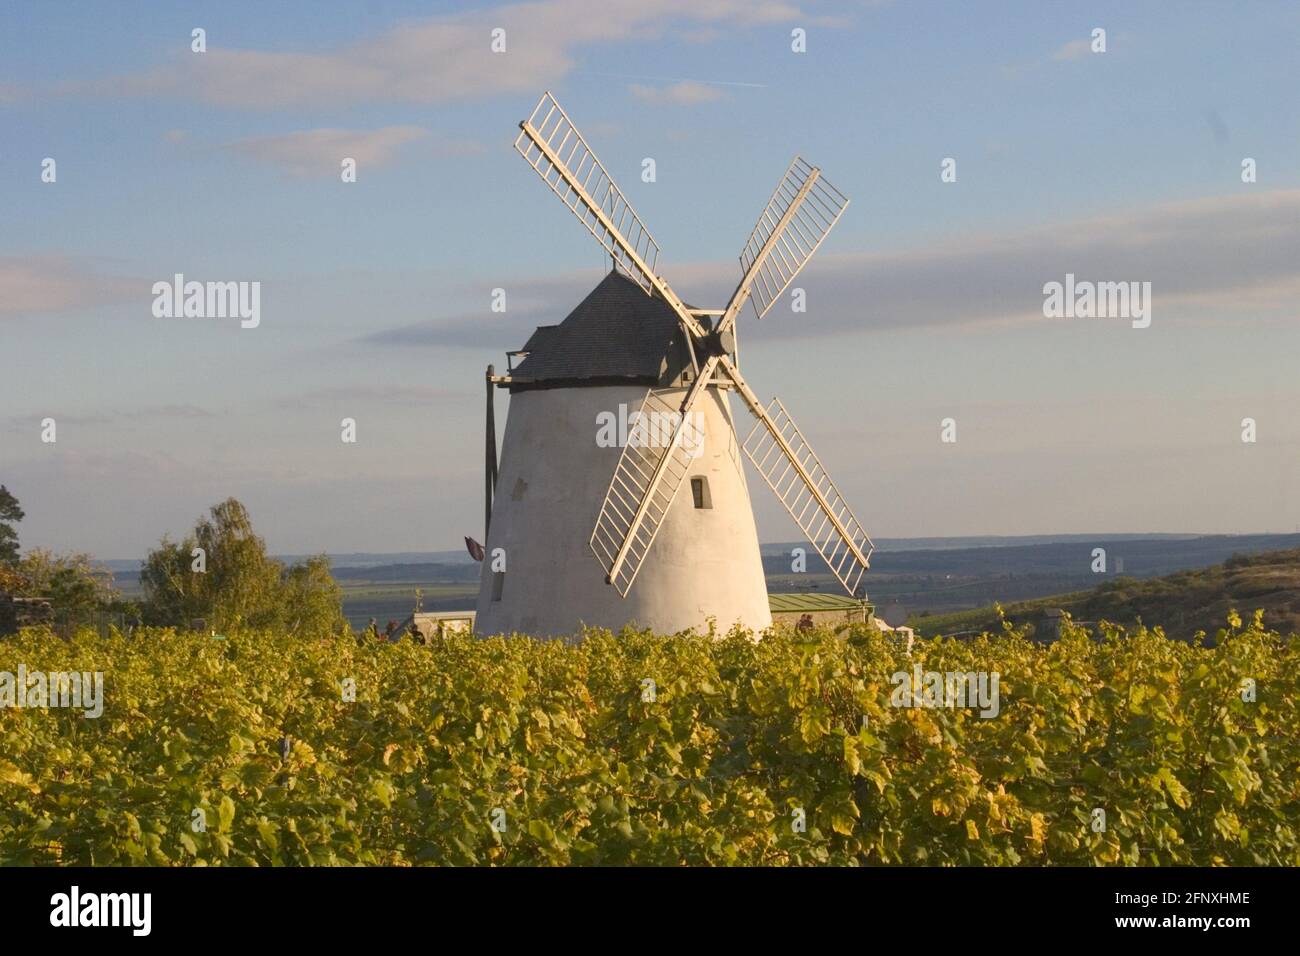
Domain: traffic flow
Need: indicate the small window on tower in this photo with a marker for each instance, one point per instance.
(700, 492)
(498, 583)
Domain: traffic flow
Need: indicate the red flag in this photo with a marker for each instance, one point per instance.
(475, 549)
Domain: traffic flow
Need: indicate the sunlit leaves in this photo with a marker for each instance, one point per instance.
(586, 768)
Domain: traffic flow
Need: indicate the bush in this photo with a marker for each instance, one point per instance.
(72, 583)
(222, 574)
(565, 745)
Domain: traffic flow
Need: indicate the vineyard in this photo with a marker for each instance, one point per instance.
(1117, 749)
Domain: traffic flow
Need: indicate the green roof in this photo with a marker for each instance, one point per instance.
(811, 601)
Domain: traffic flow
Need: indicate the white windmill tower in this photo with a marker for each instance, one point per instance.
(670, 561)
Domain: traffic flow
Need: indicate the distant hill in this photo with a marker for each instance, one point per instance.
(396, 573)
(884, 545)
(907, 581)
(1140, 556)
(1182, 603)
(1023, 550)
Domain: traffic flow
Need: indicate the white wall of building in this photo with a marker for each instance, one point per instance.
(551, 483)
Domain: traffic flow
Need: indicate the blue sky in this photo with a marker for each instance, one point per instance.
(924, 303)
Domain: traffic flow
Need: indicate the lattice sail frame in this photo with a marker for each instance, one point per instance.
(819, 208)
(591, 188)
(647, 478)
(797, 218)
(841, 540)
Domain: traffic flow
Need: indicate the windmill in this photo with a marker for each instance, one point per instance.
(666, 560)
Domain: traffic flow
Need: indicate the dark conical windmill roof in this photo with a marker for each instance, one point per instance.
(617, 335)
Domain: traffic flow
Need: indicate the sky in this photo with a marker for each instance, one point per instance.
(925, 303)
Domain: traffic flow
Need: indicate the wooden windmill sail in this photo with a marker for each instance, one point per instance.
(647, 479)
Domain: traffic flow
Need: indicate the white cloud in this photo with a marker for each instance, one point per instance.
(436, 59)
(1074, 50)
(318, 152)
(685, 93)
(387, 394)
(1234, 257)
(43, 284)
(103, 417)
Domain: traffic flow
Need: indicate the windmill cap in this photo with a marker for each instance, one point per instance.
(617, 335)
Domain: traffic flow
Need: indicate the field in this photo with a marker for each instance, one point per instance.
(256, 749)
(363, 600)
(1185, 602)
(912, 577)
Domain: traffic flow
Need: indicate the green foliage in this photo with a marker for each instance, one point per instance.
(173, 594)
(242, 581)
(10, 514)
(238, 584)
(255, 731)
(71, 582)
(13, 581)
(310, 601)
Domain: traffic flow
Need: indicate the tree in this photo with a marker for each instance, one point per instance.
(10, 514)
(243, 582)
(173, 595)
(71, 582)
(222, 574)
(12, 581)
(312, 601)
